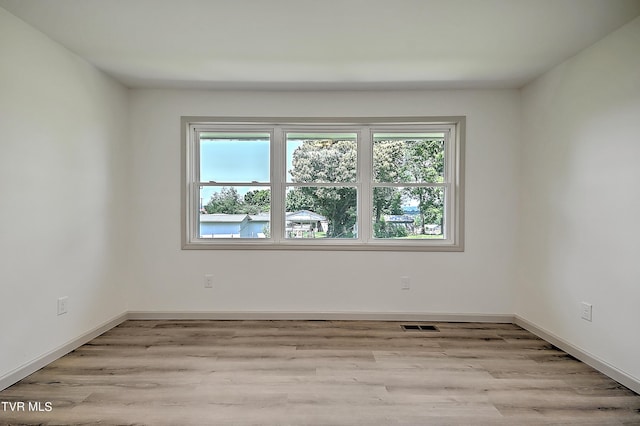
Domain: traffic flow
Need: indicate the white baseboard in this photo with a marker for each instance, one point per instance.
(604, 367)
(336, 316)
(31, 367)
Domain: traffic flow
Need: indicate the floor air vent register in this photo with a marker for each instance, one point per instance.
(415, 327)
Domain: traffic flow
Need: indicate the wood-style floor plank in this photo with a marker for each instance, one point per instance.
(319, 373)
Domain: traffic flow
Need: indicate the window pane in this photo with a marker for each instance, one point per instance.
(408, 157)
(234, 212)
(408, 213)
(321, 212)
(321, 157)
(234, 157)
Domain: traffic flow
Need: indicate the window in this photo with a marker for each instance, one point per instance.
(409, 187)
(350, 184)
(234, 184)
(321, 180)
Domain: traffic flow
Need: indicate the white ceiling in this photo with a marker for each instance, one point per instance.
(325, 44)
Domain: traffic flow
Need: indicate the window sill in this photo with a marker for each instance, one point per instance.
(439, 246)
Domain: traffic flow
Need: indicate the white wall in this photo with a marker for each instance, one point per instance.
(580, 203)
(479, 280)
(63, 171)
(75, 179)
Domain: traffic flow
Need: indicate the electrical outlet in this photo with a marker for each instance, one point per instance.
(62, 305)
(587, 310)
(208, 281)
(405, 283)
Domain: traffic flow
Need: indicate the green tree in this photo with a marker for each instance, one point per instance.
(416, 161)
(298, 200)
(425, 163)
(388, 162)
(328, 161)
(382, 229)
(226, 201)
(258, 201)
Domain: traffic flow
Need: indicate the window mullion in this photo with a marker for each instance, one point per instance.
(449, 228)
(365, 177)
(194, 188)
(278, 171)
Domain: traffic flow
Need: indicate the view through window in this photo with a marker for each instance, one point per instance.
(378, 185)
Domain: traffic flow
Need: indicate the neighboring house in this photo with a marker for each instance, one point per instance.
(304, 224)
(306, 218)
(433, 229)
(222, 225)
(258, 223)
(399, 218)
(406, 220)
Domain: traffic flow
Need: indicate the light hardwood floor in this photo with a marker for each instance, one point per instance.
(319, 373)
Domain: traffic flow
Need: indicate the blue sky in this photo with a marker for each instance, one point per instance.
(225, 160)
(234, 161)
(239, 161)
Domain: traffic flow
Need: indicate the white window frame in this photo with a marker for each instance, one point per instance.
(364, 127)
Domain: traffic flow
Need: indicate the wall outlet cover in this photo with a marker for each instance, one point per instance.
(62, 305)
(208, 281)
(405, 282)
(587, 311)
